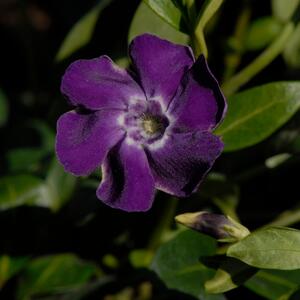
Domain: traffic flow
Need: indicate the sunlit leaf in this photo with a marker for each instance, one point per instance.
(283, 10)
(170, 12)
(177, 263)
(82, 32)
(269, 248)
(146, 21)
(55, 274)
(255, 114)
(10, 266)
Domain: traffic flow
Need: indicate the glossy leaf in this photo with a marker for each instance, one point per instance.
(255, 114)
(283, 10)
(273, 284)
(168, 11)
(82, 32)
(269, 248)
(231, 274)
(177, 263)
(262, 32)
(10, 266)
(145, 20)
(3, 108)
(55, 274)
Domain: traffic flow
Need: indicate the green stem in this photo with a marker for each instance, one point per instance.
(209, 9)
(264, 59)
(287, 218)
(233, 58)
(164, 223)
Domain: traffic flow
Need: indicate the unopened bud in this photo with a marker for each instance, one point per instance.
(221, 227)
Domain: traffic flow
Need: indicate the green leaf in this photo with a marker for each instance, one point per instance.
(231, 274)
(60, 185)
(273, 284)
(276, 160)
(269, 248)
(29, 158)
(141, 258)
(283, 10)
(55, 274)
(291, 53)
(21, 190)
(3, 108)
(255, 114)
(262, 32)
(81, 33)
(168, 11)
(145, 20)
(177, 263)
(53, 192)
(22, 159)
(10, 266)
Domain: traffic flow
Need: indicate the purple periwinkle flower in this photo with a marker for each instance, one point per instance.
(150, 128)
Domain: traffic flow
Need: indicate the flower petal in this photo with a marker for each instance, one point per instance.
(99, 83)
(160, 65)
(199, 103)
(83, 140)
(127, 182)
(180, 165)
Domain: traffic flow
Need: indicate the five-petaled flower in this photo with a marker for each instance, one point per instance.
(148, 128)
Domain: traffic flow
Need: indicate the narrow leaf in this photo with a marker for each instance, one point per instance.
(255, 114)
(269, 248)
(81, 33)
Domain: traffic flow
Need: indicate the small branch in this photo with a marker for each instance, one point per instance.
(287, 218)
(264, 59)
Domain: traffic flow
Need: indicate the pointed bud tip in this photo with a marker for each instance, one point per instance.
(188, 219)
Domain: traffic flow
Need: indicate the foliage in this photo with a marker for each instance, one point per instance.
(59, 242)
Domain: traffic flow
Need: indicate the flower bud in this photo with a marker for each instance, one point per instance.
(221, 227)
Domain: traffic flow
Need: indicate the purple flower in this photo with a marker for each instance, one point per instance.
(148, 129)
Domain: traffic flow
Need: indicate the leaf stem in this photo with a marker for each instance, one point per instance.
(166, 219)
(208, 10)
(264, 59)
(287, 218)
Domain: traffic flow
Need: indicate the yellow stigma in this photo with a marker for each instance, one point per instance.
(151, 124)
